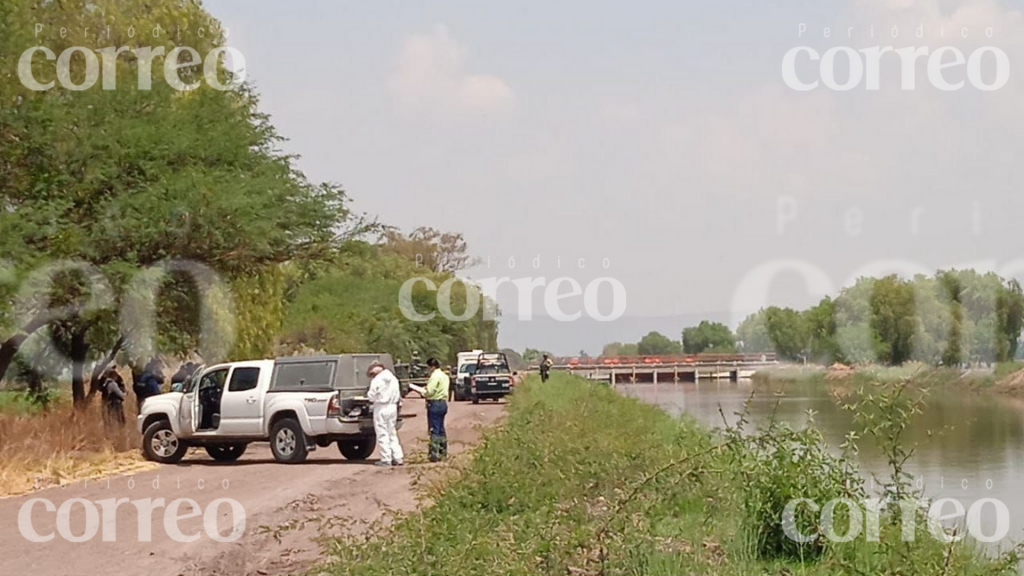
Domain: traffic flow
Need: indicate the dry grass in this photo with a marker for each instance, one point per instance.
(61, 445)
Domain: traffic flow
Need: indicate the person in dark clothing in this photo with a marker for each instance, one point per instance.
(183, 374)
(149, 383)
(114, 393)
(545, 368)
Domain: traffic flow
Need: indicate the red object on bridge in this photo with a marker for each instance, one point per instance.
(681, 359)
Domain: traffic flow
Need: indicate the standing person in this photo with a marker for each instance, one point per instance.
(149, 383)
(182, 375)
(114, 393)
(385, 394)
(453, 373)
(545, 368)
(436, 394)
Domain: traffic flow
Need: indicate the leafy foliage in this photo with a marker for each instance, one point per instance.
(708, 336)
(435, 250)
(779, 465)
(120, 182)
(954, 317)
(352, 306)
(658, 343)
(620, 349)
(533, 356)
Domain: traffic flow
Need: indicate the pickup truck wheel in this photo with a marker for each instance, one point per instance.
(161, 444)
(288, 442)
(226, 452)
(476, 399)
(358, 448)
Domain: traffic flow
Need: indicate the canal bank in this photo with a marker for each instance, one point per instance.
(584, 480)
(1006, 378)
(963, 445)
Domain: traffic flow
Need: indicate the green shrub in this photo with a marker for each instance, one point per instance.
(778, 466)
(583, 481)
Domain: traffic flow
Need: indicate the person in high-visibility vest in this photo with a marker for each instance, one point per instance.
(436, 394)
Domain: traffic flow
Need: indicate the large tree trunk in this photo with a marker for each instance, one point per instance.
(96, 381)
(9, 349)
(79, 351)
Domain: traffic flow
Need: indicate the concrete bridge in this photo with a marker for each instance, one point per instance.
(667, 372)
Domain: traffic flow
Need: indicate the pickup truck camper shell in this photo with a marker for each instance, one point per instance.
(295, 403)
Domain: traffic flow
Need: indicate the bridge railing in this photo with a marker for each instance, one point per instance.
(744, 358)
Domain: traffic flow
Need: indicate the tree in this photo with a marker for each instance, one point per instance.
(351, 307)
(533, 356)
(821, 331)
(120, 181)
(656, 343)
(752, 334)
(515, 359)
(952, 317)
(788, 332)
(619, 349)
(953, 290)
(935, 320)
(1010, 312)
(857, 343)
(893, 319)
(707, 335)
(437, 251)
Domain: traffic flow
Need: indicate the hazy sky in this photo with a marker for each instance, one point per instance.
(659, 135)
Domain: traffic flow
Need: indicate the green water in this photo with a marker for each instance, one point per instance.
(966, 446)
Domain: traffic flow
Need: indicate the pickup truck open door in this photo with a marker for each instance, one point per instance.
(188, 411)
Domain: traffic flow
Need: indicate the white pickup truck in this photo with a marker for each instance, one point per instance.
(297, 404)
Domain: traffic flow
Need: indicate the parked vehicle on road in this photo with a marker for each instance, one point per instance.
(297, 404)
(466, 366)
(492, 379)
(407, 375)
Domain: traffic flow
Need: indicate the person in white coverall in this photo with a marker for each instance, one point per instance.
(385, 395)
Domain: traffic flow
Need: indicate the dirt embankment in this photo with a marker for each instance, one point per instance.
(286, 509)
(1012, 384)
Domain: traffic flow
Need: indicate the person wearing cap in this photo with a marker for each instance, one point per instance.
(385, 395)
(113, 392)
(436, 394)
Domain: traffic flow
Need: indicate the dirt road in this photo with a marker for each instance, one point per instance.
(281, 504)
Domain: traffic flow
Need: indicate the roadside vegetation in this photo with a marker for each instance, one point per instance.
(42, 446)
(154, 223)
(583, 481)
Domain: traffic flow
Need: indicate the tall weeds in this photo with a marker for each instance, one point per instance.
(583, 481)
(61, 444)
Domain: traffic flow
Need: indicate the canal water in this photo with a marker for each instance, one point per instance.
(979, 453)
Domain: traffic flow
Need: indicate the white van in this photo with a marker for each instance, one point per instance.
(466, 365)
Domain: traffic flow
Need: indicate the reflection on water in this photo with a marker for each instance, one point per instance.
(967, 446)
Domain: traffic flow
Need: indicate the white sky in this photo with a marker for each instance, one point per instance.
(658, 135)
